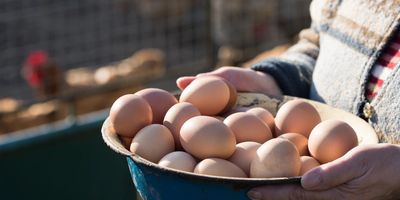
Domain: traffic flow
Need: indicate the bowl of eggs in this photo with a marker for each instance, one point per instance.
(212, 142)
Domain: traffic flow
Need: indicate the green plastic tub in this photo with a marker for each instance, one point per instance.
(65, 160)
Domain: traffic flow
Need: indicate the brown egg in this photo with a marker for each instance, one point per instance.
(219, 118)
(206, 137)
(244, 154)
(218, 167)
(178, 160)
(153, 142)
(176, 116)
(330, 140)
(160, 101)
(277, 157)
(307, 163)
(248, 127)
(299, 140)
(211, 95)
(235, 110)
(232, 97)
(125, 141)
(296, 116)
(264, 115)
(130, 113)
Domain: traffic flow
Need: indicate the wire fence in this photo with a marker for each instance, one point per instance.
(251, 26)
(93, 33)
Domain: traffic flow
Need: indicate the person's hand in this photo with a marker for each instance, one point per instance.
(245, 80)
(365, 172)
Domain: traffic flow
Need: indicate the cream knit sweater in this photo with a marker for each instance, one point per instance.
(332, 61)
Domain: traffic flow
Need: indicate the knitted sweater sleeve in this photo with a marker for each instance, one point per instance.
(293, 70)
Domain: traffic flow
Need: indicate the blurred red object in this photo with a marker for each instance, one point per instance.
(42, 75)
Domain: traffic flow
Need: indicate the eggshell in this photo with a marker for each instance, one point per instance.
(307, 163)
(244, 154)
(248, 127)
(176, 116)
(206, 137)
(130, 113)
(235, 110)
(178, 160)
(296, 116)
(219, 118)
(153, 142)
(159, 100)
(218, 167)
(232, 97)
(210, 94)
(126, 141)
(264, 115)
(277, 157)
(299, 140)
(331, 139)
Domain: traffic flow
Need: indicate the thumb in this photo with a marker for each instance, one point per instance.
(333, 173)
(184, 81)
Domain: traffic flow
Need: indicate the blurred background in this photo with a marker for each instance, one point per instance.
(63, 63)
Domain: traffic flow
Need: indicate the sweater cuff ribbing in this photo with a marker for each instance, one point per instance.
(286, 75)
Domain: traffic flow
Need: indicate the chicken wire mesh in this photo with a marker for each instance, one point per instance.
(93, 33)
(246, 27)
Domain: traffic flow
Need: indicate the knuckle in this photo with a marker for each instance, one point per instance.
(362, 160)
(223, 69)
(297, 193)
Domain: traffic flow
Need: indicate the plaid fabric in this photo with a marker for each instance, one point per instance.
(383, 67)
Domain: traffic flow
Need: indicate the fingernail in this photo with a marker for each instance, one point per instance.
(254, 195)
(312, 179)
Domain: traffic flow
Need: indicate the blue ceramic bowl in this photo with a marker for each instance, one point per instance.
(155, 183)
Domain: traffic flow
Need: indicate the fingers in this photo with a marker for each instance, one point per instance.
(334, 173)
(184, 81)
(290, 192)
